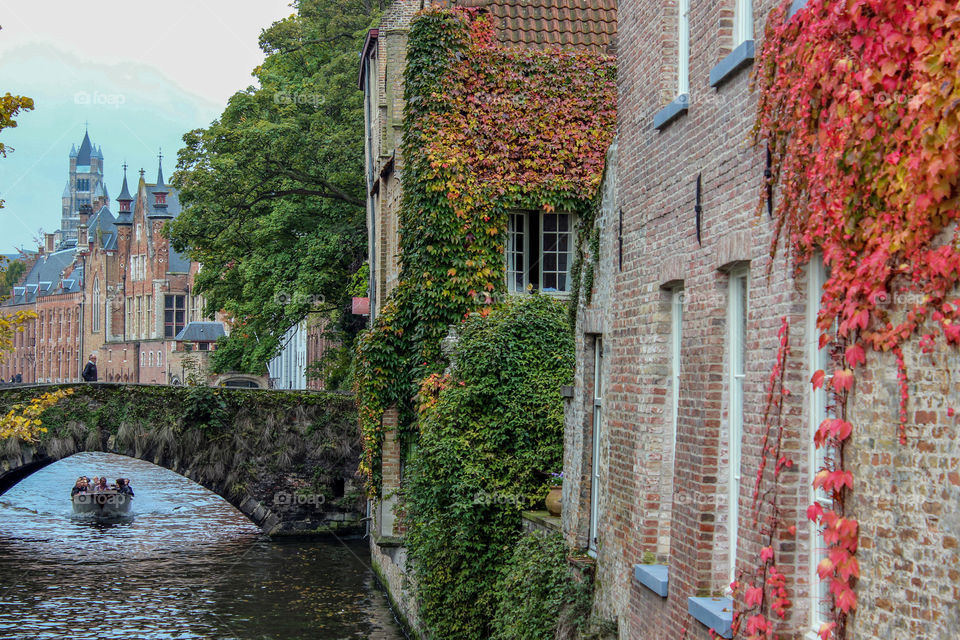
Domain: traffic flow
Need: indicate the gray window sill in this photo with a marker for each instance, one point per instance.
(714, 613)
(653, 576)
(666, 115)
(739, 58)
(796, 6)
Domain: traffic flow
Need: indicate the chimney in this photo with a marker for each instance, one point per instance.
(85, 213)
(48, 242)
(82, 234)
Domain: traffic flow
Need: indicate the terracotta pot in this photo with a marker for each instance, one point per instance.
(554, 500)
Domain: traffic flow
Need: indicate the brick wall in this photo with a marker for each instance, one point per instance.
(669, 504)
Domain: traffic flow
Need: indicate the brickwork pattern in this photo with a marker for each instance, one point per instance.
(672, 506)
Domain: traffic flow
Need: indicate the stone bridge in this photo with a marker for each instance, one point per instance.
(286, 459)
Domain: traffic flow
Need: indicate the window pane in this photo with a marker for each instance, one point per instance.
(550, 222)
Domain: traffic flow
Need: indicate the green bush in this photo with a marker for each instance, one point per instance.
(490, 432)
(535, 589)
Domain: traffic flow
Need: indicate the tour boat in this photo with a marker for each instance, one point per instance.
(103, 504)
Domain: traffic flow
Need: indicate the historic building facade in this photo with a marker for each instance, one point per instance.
(544, 24)
(113, 286)
(664, 431)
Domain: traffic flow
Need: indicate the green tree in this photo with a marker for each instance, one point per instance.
(273, 190)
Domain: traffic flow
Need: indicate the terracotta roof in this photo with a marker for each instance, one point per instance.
(542, 24)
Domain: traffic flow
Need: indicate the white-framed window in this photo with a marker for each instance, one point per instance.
(150, 358)
(95, 321)
(737, 311)
(139, 330)
(595, 443)
(128, 328)
(143, 358)
(683, 47)
(742, 22)
(539, 251)
(676, 335)
(517, 251)
(817, 360)
(160, 358)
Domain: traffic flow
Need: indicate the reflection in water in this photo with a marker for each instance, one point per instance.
(186, 565)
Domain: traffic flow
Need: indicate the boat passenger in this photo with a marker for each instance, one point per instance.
(79, 487)
(102, 485)
(123, 486)
(94, 483)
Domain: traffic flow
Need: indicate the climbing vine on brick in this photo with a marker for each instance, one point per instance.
(487, 129)
(860, 105)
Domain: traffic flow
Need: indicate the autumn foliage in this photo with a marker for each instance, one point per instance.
(859, 102)
(487, 129)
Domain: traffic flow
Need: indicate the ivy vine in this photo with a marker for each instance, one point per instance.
(858, 102)
(486, 130)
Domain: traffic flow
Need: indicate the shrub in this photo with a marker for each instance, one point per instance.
(489, 433)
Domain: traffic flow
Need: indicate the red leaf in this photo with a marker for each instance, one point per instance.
(814, 512)
(753, 596)
(817, 379)
(855, 355)
(843, 379)
(766, 554)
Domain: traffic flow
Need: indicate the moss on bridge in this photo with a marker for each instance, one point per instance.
(287, 459)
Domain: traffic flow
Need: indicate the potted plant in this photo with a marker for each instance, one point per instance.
(555, 496)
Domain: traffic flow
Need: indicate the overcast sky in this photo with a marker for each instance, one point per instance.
(141, 73)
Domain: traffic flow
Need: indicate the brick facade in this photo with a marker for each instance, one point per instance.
(664, 498)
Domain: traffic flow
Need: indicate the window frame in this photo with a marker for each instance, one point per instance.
(530, 248)
(738, 311)
(593, 534)
(676, 364)
(817, 359)
(742, 22)
(683, 47)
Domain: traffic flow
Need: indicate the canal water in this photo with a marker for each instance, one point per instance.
(187, 565)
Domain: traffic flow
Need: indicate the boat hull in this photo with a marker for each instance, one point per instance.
(105, 504)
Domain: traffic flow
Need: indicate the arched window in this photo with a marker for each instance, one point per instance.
(160, 358)
(95, 324)
(150, 360)
(143, 358)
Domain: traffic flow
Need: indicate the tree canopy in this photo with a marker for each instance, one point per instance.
(273, 190)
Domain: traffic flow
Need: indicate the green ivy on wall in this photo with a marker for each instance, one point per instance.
(490, 433)
(486, 130)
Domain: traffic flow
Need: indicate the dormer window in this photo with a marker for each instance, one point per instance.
(125, 206)
(160, 199)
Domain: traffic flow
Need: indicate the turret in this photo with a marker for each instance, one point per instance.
(125, 215)
(160, 191)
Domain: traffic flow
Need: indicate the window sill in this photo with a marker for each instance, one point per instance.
(672, 111)
(739, 58)
(714, 613)
(653, 576)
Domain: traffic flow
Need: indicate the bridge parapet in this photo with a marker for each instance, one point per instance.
(286, 459)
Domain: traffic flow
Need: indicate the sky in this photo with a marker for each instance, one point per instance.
(137, 74)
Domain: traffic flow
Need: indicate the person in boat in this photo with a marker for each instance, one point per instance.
(79, 487)
(123, 486)
(102, 484)
(93, 483)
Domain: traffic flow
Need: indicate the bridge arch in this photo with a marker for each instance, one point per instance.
(287, 460)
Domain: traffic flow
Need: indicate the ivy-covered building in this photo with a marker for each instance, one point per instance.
(487, 124)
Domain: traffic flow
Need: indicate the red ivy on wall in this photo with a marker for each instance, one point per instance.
(859, 101)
